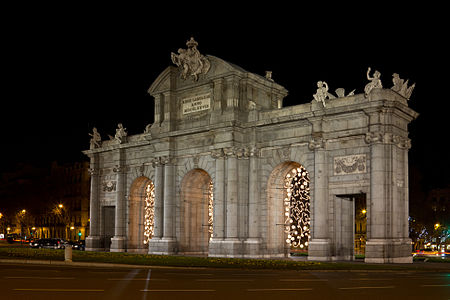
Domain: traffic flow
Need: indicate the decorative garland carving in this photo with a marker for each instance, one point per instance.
(351, 164)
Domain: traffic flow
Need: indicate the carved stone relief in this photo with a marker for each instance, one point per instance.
(350, 164)
(109, 186)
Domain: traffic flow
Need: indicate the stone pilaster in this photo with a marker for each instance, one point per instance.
(387, 238)
(253, 242)
(118, 242)
(164, 241)
(93, 240)
(319, 243)
(159, 185)
(232, 194)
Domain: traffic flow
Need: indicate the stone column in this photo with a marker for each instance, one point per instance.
(219, 196)
(232, 195)
(319, 244)
(118, 242)
(231, 245)
(215, 245)
(93, 240)
(169, 198)
(168, 241)
(159, 207)
(253, 241)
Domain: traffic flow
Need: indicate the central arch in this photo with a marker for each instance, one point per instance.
(286, 203)
(196, 212)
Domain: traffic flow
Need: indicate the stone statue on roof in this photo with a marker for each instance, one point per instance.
(190, 61)
(375, 82)
(96, 139)
(401, 87)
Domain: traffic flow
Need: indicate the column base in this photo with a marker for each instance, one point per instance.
(118, 244)
(162, 246)
(319, 250)
(388, 251)
(93, 243)
(252, 248)
(230, 247)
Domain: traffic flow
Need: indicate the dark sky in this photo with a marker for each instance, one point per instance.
(73, 68)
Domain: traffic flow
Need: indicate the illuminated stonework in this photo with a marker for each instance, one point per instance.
(296, 208)
(210, 210)
(149, 212)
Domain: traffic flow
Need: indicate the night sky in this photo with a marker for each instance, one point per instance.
(82, 67)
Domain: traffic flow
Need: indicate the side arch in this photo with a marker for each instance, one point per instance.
(136, 216)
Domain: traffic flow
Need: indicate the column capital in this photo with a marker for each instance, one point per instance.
(387, 138)
(217, 153)
(316, 143)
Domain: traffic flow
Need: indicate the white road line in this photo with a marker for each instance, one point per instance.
(177, 291)
(278, 290)
(59, 290)
(190, 274)
(149, 272)
(32, 277)
(431, 285)
(367, 287)
(225, 279)
(370, 279)
(139, 279)
(298, 279)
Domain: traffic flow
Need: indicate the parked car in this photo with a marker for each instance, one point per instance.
(76, 245)
(52, 243)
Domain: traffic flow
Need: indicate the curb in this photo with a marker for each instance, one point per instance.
(88, 264)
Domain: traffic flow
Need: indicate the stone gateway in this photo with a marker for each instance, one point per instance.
(226, 170)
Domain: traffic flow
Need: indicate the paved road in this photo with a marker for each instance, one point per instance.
(26, 281)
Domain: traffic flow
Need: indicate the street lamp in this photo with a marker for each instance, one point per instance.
(60, 205)
(436, 226)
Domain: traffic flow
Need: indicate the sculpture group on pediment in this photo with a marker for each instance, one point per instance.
(322, 93)
(401, 86)
(121, 133)
(190, 61)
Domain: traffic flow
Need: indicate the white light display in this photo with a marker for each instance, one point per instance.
(210, 210)
(296, 208)
(149, 208)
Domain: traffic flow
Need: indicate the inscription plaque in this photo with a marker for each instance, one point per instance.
(195, 104)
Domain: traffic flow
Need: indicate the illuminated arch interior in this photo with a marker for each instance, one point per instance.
(297, 208)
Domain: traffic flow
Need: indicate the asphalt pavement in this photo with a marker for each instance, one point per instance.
(31, 281)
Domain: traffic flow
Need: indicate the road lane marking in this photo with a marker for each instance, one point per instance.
(298, 279)
(149, 272)
(367, 287)
(59, 290)
(431, 285)
(32, 277)
(278, 290)
(190, 274)
(177, 291)
(370, 279)
(139, 279)
(225, 279)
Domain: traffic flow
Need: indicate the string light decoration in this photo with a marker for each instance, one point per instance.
(210, 210)
(297, 208)
(149, 209)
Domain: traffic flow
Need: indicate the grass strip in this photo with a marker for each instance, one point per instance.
(189, 261)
